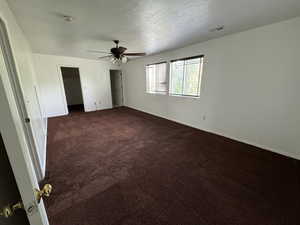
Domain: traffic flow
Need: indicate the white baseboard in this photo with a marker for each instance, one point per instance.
(278, 151)
(49, 115)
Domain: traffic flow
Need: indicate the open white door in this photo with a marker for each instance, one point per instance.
(31, 125)
(14, 137)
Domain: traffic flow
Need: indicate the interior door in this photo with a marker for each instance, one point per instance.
(14, 138)
(26, 101)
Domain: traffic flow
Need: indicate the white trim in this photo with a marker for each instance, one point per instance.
(50, 115)
(184, 96)
(62, 89)
(45, 150)
(156, 93)
(263, 147)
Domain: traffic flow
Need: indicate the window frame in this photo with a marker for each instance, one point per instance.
(201, 57)
(167, 79)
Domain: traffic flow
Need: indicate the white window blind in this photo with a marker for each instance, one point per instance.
(156, 78)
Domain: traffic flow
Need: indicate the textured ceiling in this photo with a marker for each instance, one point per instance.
(141, 25)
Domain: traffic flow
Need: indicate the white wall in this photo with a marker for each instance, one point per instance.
(23, 58)
(250, 87)
(95, 83)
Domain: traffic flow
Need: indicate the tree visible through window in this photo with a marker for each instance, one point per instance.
(185, 76)
(157, 78)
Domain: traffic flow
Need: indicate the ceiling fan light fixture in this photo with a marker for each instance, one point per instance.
(124, 59)
(112, 59)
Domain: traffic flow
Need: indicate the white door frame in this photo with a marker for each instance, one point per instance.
(62, 86)
(14, 136)
(15, 83)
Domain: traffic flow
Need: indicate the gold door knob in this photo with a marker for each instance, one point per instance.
(6, 211)
(45, 192)
(9, 210)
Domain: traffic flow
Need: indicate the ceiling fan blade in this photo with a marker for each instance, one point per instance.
(96, 51)
(104, 57)
(135, 54)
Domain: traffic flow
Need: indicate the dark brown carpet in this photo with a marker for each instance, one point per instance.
(125, 167)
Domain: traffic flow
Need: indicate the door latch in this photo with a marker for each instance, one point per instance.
(45, 192)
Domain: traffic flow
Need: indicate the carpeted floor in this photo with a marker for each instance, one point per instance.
(125, 167)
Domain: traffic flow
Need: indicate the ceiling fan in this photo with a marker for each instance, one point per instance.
(117, 54)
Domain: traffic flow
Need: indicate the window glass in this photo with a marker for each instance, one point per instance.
(185, 77)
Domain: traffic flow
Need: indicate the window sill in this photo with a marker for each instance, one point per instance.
(172, 95)
(185, 96)
(156, 93)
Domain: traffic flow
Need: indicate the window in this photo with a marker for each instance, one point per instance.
(156, 76)
(185, 76)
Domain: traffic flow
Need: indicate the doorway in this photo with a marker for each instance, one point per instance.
(116, 82)
(73, 91)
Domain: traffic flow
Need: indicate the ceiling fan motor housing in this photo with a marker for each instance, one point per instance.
(118, 52)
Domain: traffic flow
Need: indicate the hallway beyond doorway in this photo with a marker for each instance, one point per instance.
(73, 89)
(116, 81)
